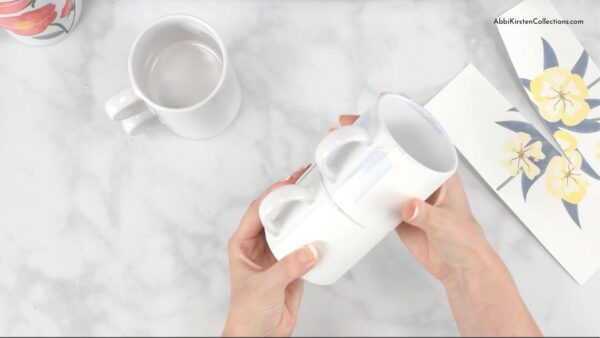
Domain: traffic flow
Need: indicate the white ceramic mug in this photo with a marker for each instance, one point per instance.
(302, 213)
(352, 198)
(394, 151)
(181, 76)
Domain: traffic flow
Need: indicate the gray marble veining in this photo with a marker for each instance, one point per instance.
(101, 233)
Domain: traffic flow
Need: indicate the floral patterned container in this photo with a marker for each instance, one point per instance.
(39, 22)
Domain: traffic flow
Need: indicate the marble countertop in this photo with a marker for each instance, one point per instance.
(101, 233)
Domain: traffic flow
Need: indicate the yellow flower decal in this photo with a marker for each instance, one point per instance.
(560, 95)
(568, 143)
(563, 174)
(598, 154)
(523, 156)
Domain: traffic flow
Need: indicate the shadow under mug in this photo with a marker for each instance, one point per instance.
(181, 76)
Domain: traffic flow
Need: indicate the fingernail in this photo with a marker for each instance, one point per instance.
(304, 167)
(308, 254)
(415, 213)
(301, 170)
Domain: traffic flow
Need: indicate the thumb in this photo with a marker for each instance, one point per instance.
(292, 266)
(422, 214)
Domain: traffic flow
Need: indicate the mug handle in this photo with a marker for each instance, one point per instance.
(133, 113)
(276, 201)
(333, 142)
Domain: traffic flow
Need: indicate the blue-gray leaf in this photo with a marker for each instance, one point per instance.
(550, 59)
(593, 103)
(581, 65)
(526, 184)
(585, 126)
(572, 210)
(587, 168)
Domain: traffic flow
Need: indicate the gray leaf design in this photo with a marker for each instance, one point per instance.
(550, 59)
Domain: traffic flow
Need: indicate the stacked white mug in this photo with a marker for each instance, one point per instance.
(352, 197)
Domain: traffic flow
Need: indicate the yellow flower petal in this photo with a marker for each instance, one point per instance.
(574, 158)
(511, 165)
(522, 155)
(523, 139)
(548, 83)
(547, 90)
(510, 146)
(575, 87)
(564, 181)
(551, 109)
(574, 111)
(574, 190)
(530, 169)
(566, 140)
(534, 151)
(554, 175)
(560, 95)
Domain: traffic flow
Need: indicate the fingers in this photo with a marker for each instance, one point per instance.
(291, 268)
(423, 215)
(346, 120)
(250, 224)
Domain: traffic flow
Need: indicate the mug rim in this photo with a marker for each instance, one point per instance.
(177, 18)
(387, 132)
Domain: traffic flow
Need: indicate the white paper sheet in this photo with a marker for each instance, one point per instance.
(528, 177)
(559, 76)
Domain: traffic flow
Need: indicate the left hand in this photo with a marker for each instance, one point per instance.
(265, 293)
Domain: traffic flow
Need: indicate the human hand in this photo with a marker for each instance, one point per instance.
(441, 233)
(265, 293)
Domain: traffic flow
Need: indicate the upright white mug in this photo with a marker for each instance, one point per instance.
(394, 151)
(181, 76)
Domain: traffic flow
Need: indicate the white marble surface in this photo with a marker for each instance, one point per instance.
(101, 233)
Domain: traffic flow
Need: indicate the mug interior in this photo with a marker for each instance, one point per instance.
(177, 62)
(417, 132)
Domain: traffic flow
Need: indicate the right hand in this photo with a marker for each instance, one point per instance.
(441, 233)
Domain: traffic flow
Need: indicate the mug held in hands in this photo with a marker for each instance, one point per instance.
(393, 152)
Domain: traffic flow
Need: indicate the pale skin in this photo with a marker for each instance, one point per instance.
(441, 233)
